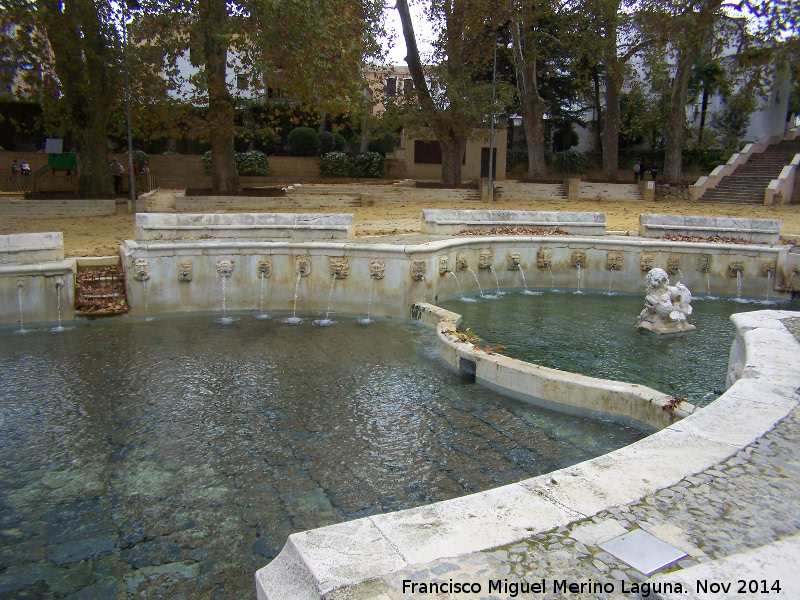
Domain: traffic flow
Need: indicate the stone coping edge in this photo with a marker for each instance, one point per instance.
(560, 389)
(448, 243)
(764, 390)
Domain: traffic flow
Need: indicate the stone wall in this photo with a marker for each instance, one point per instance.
(32, 209)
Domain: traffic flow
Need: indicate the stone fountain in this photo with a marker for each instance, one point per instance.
(665, 306)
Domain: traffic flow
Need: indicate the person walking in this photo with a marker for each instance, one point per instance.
(24, 169)
(637, 171)
(116, 171)
(654, 171)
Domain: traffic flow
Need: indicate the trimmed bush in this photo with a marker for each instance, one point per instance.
(336, 164)
(369, 164)
(303, 141)
(331, 142)
(247, 163)
(252, 163)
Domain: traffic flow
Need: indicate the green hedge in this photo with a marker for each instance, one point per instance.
(247, 163)
(339, 164)
(336, 164)
(572, 161)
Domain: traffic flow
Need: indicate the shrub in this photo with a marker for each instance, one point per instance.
(303, 141)
(336, 164)
(382, 145)
(572, 161)
(247, 163)
(369, 164)
(252, 163)
(331, 142)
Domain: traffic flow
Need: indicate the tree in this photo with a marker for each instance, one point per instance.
(708, 78)
(75, 44)
(321, 67)
(451, 97)
(618, 39)
(527, 48)
(541, 37)
(741, 27)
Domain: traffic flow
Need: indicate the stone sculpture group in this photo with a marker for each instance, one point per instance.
(665, 306)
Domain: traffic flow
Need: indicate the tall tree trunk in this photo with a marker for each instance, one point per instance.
(614, 75)
(610, 134)
(93, 174)
(676, 121)
(531, 104)
(447, 124)
(82, 63)
(213, 21)
(703, 110)
(453, 149)
(695, 33)
(598, 107)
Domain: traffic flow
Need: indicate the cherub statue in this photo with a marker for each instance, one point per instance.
(665, 307)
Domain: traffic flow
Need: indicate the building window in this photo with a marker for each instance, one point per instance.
(391, 87)
(427, 153)
(408, 87)
(241, 82)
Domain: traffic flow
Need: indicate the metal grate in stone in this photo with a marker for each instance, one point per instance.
(100, 291)
(644, 552)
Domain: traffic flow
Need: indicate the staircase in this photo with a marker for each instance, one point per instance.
(746, 185)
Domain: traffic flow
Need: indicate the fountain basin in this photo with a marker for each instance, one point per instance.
(412, 274)
(589, 395)
(368, 551)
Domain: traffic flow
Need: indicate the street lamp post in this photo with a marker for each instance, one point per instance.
(491, 124)
(128, 5)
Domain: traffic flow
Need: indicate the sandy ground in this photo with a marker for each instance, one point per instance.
(101, 236)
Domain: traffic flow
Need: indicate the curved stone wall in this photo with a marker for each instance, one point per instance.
(358, 553)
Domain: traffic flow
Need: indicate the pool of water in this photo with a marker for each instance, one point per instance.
(172, 458)
(593, 333)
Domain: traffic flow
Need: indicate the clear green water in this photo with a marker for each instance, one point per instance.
(594, 334)
(172, 458)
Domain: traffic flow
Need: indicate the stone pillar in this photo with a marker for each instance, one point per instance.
(648, 189)
(573, 187)
(483, 185)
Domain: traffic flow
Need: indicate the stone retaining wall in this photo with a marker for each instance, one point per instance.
(31, 209)
(449, 222)
(166, 226)
(534, 383)
(759, 231)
